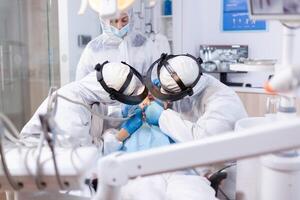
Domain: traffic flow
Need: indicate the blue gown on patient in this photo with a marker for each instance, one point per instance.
(146, 137)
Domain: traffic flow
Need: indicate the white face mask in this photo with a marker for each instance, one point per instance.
(120, 33)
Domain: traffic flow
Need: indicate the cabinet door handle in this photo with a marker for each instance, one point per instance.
(11, 62)
(2, 67)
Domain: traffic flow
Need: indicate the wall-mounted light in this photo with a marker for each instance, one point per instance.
(108, 8)
(105, 8)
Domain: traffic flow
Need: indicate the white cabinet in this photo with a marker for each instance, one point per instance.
(167, 28)
(164, 23)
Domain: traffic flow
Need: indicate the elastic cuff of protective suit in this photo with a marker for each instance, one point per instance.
(163, 118)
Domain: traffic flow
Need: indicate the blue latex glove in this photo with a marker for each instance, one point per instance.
(153, 112)
(156, 82)
(128, 110)
(134, 123)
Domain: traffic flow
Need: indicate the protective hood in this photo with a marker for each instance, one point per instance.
(198, 88)
(115, 75)
(122, 82)
(187, 70)
(178, 75)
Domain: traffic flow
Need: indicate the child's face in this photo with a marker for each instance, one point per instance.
(149, 99)
(146, 101)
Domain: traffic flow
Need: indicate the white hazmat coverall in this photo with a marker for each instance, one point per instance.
(213, 109)
(73, 120)
(134, 49)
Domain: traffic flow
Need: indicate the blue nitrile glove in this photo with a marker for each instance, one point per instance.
(156, 82)
(134, 123)
(153, 112)
(128, 110)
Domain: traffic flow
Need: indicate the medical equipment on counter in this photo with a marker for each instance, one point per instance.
(219, 58)
(254, 66)
(223, 55)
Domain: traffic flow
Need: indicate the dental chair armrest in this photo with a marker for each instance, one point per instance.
(216, 179)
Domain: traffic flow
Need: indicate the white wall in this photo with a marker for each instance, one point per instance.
(70, 26)
(202, 24)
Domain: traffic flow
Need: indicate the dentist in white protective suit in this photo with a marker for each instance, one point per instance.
(202, 106)
(73, 120)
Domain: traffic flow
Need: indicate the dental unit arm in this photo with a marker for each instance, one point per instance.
(287, 74)
(117, 169)
(28, 166)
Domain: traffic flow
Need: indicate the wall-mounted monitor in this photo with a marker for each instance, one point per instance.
(285, 10)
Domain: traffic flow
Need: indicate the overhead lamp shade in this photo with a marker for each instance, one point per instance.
(152, 3)
(95, 4)
(124, 4)
(99, 7)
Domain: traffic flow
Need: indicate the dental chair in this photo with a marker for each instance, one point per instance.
(216, 180)
(219, 179)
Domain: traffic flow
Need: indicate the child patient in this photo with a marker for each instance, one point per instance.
(135, 134)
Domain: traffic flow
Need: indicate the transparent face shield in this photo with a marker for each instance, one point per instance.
(163, 93)
(132, 92)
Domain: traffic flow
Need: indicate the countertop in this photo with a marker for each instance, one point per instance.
(249, 90)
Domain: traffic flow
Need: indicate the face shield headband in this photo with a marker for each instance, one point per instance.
(172, 96)
(118, 95)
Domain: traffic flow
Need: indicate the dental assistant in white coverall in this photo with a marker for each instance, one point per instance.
(118, 42)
